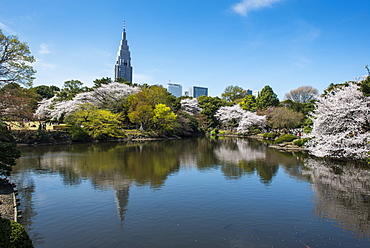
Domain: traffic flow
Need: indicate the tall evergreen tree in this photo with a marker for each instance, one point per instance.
(267, 98)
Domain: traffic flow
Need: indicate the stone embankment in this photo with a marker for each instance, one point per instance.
(288, 147)
(8, 202)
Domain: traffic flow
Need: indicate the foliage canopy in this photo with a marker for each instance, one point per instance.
(267, 98)
(15, 60)
(233, 93)
(98, 123)
(8, 151)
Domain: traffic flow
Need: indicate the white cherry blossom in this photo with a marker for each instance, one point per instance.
(99, 97)
(245, 119)
(341, 124)
(190, 106)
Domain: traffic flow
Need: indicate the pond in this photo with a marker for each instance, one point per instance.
(199, 192)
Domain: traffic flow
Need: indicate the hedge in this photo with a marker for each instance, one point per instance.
(285, 138)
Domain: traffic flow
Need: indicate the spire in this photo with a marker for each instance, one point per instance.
(124, 31)
(123, 68)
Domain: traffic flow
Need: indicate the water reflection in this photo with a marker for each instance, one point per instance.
(342, 194)
(105, 164)
(119, 165)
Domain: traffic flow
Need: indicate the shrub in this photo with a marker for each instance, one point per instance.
(254, 130)
(214, 131)
(300, 142)
(285, 138)
(269, 135)
(43, 136)
(78, 134)
(13, 235)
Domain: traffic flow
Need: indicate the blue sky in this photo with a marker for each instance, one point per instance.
(214, 43)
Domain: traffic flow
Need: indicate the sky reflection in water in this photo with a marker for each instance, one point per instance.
(189, 193)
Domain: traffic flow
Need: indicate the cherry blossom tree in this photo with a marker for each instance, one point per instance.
(44, 109)
(250, 119)
(341, 124)
(190, 106)
(112, 93)
(242, 119)
(107, 96)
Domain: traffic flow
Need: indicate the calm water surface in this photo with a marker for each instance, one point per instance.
(189, 193)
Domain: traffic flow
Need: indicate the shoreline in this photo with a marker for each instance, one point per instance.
(8, 201)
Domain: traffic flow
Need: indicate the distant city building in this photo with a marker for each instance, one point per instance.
(186, 93)
(174, 89)
(123, 68)
(196, 91)
(256, 93)
(249, 92)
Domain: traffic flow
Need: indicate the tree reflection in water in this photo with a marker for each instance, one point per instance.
(342, 194)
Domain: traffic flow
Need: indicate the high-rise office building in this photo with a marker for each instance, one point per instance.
(123, 68)
(174, 89)
(196, 91)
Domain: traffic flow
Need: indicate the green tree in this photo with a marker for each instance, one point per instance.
(124, 81)
(142, 105)
(141, 115)
(234, 93)
(209, 106)
(46, 91)
(332, 87)
(365, 84)
(282, 117)
(99, 124)
(249, 103)
(15, 59)
(164, 119)
(8, 150)
(267, 98)
(100, 82)
(70, 89)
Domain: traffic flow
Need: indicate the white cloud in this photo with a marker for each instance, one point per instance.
(41, 64)
(6, 29)
(44, 49)
(245, 6)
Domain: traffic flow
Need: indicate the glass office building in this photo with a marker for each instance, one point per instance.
(196, 91)
(174, 89)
